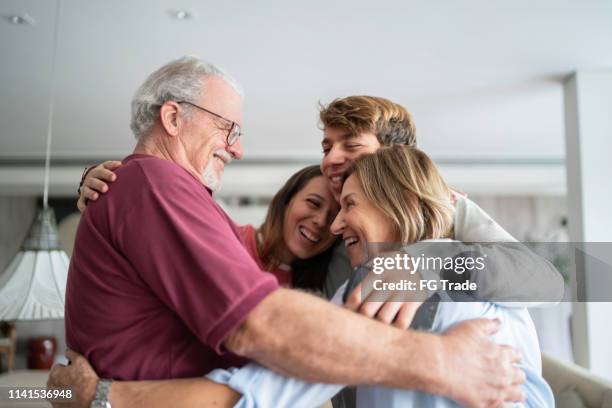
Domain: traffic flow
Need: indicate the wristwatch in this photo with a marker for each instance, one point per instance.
(101, 399)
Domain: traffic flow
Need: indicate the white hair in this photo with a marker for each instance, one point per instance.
(179, 80)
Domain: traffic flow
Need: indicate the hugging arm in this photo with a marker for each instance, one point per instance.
(325, 343)
(95, 181)
(514, 276)
(80, 377)
(511, 275)
(262, 387)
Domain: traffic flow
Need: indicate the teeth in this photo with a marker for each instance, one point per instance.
(309, 235)
(350, 241)
(336, 179)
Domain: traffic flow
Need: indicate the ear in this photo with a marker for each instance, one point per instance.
(170, 118)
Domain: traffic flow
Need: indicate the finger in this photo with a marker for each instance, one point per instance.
(81, 204)
(515, 394)
(487, 326)
(373, 301)
(354, 300)
(369, 308)
(363, 290)
(96, 184)
(389, 311)
(518, 376)
(89, 194)
(367, 288)
(406, 315)
(56, 372)
(102, 174)
(513, 355)
(72, 355)
(112, 164)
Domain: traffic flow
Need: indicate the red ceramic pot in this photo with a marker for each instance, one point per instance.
(41, 353)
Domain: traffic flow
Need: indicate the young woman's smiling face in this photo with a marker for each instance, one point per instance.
(360, 222)
(307, 219)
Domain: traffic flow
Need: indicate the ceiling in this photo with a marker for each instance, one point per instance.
(482, 78)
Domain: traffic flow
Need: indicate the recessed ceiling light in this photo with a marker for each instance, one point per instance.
(21, 19)
(183, 14)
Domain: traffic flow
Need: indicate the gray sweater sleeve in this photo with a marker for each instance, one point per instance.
(338, 272)
(514, 276)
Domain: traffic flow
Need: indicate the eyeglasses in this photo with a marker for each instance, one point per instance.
(234, 132)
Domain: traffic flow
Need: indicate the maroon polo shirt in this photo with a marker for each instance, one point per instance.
(159, 277)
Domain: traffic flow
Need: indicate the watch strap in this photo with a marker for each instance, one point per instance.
(102, 391)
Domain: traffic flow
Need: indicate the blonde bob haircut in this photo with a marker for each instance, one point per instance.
(405, 184)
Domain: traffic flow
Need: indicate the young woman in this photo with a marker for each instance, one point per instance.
(294, 240)
(393, 196)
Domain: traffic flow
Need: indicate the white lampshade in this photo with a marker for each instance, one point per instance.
(33, 286)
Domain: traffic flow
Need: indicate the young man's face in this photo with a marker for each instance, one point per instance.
(340, 149)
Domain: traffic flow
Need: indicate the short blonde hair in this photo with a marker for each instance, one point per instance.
(405, 184)
(390, 122)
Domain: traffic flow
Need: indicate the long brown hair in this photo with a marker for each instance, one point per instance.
(404, 183)
(309, 273)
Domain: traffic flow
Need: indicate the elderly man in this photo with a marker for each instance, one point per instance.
(160, 285)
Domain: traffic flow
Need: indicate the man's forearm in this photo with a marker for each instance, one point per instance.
(303, 336)
(183, 393)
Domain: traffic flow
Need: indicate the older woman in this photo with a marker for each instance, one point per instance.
(398, 196)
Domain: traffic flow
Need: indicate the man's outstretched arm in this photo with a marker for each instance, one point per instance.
(303, 336)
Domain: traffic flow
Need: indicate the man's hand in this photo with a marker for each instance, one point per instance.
(79, 376)
(488, 375)
(95, 183)
(391, 307)
(396, 313)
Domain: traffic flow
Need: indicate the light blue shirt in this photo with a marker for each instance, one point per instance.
(262, 387)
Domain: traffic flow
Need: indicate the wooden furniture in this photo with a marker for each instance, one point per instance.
(8, 344)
